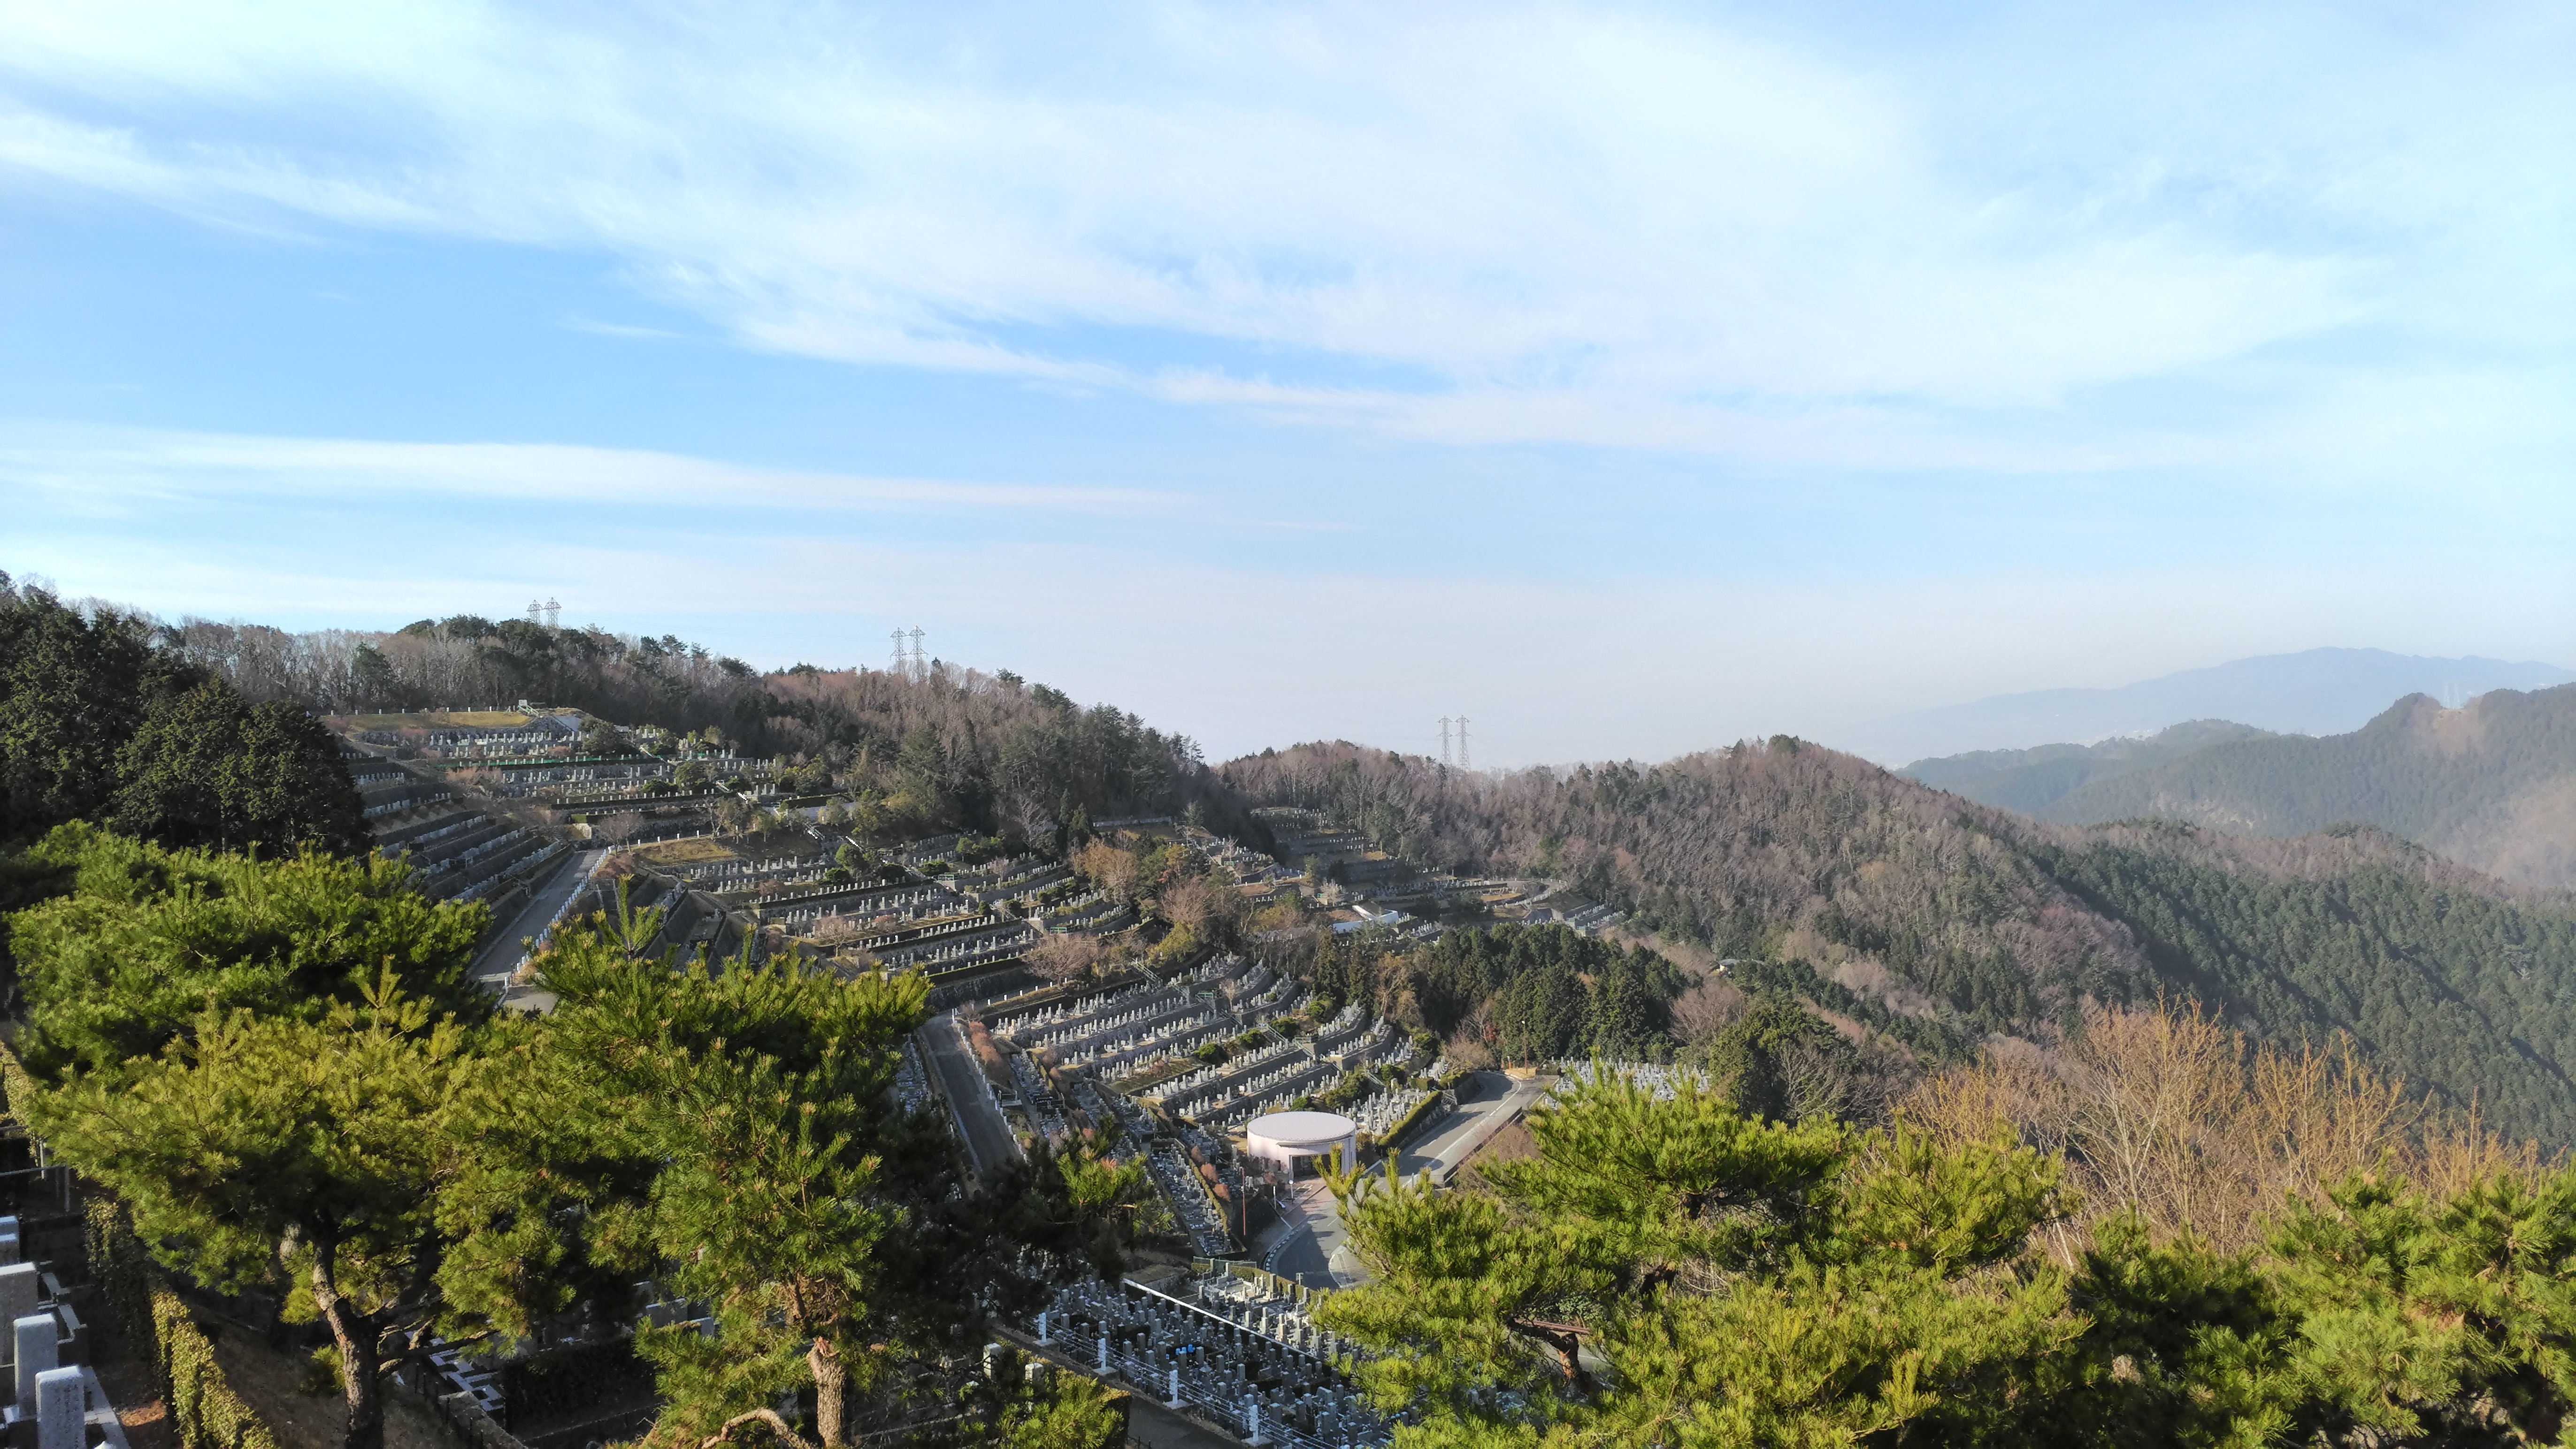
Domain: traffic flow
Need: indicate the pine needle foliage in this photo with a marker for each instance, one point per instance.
(146, 940)
(1672, 1274)
(745, 1151)
(345, 1149)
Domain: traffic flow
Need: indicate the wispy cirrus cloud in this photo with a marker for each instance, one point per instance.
(1626, 228)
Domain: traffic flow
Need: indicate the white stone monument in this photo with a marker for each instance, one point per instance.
(38, 1353)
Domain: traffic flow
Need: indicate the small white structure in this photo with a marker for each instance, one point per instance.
(1283, 1137)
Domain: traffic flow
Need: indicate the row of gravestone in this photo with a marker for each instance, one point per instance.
(1259, 1366)
(58, 1402)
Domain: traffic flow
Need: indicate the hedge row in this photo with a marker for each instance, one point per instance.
(1394, 1135)
(205, 1413)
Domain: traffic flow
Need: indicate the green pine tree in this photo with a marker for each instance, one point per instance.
(344, 1150)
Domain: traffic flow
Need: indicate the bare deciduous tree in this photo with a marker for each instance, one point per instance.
(1110, 868)
(1710, 1006)
(1065, 956)
(2168, 1113)
(1207, 909)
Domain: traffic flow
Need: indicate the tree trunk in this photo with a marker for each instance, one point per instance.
(361, 1367)
(831, 1386)
(1567, 1342)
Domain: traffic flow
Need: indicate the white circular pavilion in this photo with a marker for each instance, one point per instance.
(1283, 1137)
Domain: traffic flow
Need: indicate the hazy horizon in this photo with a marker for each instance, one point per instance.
(1629, 380)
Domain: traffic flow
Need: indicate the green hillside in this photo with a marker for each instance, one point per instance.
(2491, 785)
(2437, 977)
(1896, 901)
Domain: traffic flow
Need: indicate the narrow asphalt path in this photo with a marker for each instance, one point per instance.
(493, 967)
(987, 1134)
(1315, 1252)
(1487, 1101)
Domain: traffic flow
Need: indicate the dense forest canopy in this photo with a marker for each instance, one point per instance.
(101, 718)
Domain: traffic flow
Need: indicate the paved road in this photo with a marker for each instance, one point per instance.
(493, 967)
(988, 1136)
(1316, 1252)
(1486, 1102)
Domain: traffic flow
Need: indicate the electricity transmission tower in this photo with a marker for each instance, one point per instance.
(920, 661)
(1444, 741)
(554, 612)
(1462, 744)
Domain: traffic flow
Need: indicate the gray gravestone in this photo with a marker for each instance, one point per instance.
(62, 1410)
(19, 1289)
(38, 1349)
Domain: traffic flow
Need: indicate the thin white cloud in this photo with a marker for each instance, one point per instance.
(1598, 226)
(102, 468)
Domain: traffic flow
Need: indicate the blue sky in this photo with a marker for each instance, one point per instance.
(1627, 379)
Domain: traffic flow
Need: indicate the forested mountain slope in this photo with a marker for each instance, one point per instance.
(2491, 785)
(1909, 902)
(2031, 780)
(954, 747)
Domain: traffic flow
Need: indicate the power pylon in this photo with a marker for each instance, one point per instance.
(1462, 744)
(1444, 741)
(920, 661)
(902, 665)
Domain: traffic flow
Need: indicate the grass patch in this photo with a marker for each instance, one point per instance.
(468, 719)
(1153, 1077)
(682, 852)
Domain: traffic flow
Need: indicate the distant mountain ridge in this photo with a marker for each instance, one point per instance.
(2317, 692)
(2031, 780)
(2491, 785)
